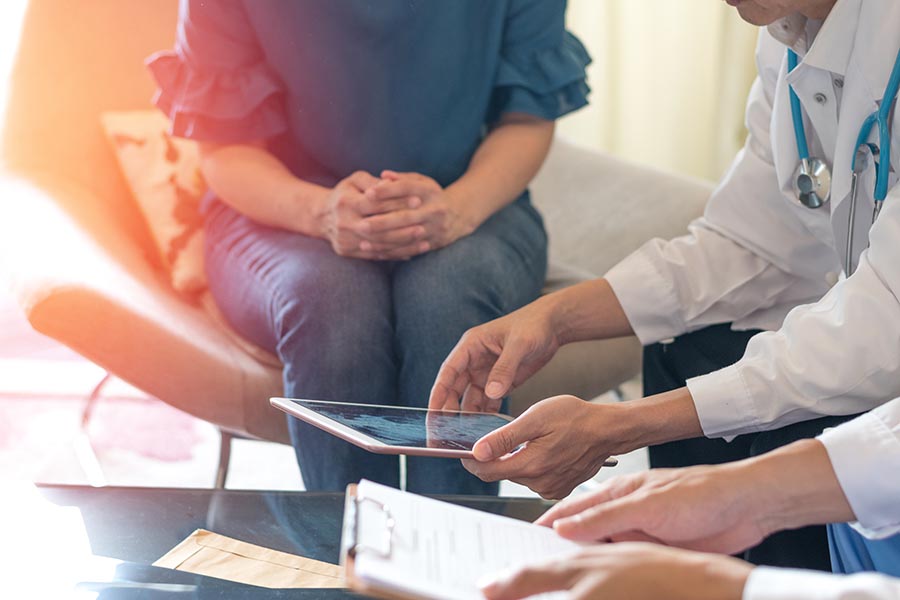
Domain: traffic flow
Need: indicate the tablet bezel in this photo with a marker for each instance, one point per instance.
(357, 438)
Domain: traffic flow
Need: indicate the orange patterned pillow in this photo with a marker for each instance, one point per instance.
(163, 173)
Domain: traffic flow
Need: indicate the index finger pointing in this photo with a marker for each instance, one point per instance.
(452, 380)
(446, 397)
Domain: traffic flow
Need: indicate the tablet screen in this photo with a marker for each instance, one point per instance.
(411, 428)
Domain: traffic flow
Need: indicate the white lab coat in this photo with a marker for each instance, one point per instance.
(865, 455)
(757, 254)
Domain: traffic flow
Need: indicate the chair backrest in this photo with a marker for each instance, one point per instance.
(76, 60)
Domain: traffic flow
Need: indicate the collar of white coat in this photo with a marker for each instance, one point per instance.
(866, 33)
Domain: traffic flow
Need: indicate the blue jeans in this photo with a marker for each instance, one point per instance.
(853, 553)
(369, 332)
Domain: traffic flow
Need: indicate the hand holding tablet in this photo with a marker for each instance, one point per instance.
(398, 429)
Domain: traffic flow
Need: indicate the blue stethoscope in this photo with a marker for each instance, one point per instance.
(812, 180)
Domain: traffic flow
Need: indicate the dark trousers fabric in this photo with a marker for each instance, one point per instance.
(669, 366)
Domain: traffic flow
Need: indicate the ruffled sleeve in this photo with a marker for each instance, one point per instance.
(542, 66)
(216, 86)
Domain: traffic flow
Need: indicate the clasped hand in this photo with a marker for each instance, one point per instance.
(396, 217)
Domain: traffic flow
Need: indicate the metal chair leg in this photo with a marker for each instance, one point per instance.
(84, 450)
(88, 410)
(225, 439)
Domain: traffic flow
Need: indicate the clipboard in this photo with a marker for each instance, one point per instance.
(394, 545)
(350, 547)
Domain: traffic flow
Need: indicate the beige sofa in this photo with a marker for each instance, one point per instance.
(80, 260)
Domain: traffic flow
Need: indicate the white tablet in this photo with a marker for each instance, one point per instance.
(398, 429)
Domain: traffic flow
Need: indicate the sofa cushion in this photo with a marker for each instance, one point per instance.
(164, 177)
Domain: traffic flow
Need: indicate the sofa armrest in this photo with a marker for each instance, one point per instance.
(52, 240)
(598, 208)
(83, 282)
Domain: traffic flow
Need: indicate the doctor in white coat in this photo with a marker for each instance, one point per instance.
(845, 475)
(761, 259)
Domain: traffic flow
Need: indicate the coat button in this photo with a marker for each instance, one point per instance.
(831, 278)
(820, 98)
(839, 82)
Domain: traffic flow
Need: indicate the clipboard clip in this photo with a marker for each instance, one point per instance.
(355, 546)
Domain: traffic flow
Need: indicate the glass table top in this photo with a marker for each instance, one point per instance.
(99, 543)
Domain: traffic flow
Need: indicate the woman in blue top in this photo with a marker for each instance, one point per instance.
(368, 164)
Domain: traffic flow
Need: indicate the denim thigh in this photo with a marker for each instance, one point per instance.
(438, 296)
(328, 318)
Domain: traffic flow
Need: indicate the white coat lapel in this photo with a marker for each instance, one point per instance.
(872, 58)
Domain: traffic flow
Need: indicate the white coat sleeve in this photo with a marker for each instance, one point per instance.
(839, 356)
(865, 455)
(767, 583)
(735, 260)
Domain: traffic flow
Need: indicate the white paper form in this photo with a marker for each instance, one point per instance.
(441, 550)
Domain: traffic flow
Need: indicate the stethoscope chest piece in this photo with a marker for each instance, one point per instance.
(812, 183)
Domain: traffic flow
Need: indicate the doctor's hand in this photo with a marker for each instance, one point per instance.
(552, 447)
(632, 571)
(430, 212)
(726, 508)
(345, 213)
(492, 359)
(711, 509)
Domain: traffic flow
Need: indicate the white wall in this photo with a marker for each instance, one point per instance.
(669, 81)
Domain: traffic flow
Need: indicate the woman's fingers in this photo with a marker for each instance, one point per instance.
(369, 207)
(390, 240)
(404, 252)
(394, 175)
(392, 251)
(378, 224)
(399, 188)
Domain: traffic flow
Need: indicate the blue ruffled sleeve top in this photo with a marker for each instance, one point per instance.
(335, 86)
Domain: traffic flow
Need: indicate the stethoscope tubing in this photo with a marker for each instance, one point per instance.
(885, 113)
(796, 112)
(883, 117)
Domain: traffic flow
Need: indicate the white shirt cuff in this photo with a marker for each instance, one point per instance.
(767, 583)
(723, 402)
(647, 297)
(865, 455)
